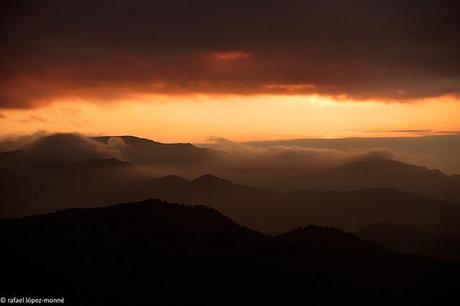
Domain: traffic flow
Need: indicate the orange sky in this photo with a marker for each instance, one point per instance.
(195, 118)
(233, 70)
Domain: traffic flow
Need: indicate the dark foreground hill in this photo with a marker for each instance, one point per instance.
(154, 253)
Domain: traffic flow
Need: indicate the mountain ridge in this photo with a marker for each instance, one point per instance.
(135, 252)
(275, 212)
(376, 172)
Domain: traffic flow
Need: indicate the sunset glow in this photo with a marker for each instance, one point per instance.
(195, 118)
(227, 56)
(230, 152)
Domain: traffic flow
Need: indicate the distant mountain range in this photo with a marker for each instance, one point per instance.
(373, 171)
(33, 188)
(439, 151)
(376, 172)
(364, 172)
(350, 197)
(274, 212)
(153, 252)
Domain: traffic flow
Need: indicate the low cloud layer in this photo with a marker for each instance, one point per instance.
(241, 163)
(67, 148)
(440, 152)
(244, 161)
(250, 164)
(105, 50)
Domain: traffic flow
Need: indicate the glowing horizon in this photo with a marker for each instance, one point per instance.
(196, 118)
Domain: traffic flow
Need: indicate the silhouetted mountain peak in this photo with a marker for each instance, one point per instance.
(146, 151)
(134, 140)
(139, 220)
(380, 164)
(128, 139)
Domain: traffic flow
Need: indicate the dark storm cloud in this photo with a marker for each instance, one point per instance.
(108, 49)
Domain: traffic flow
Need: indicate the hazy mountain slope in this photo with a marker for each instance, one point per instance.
(438, 151)
(145, 151)
(154, 252)
(40, 180)
(376, 172)
(66, 170)
(30, 187)
(273, 212)
(412, 241)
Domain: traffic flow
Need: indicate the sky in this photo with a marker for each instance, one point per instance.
(187, 71)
